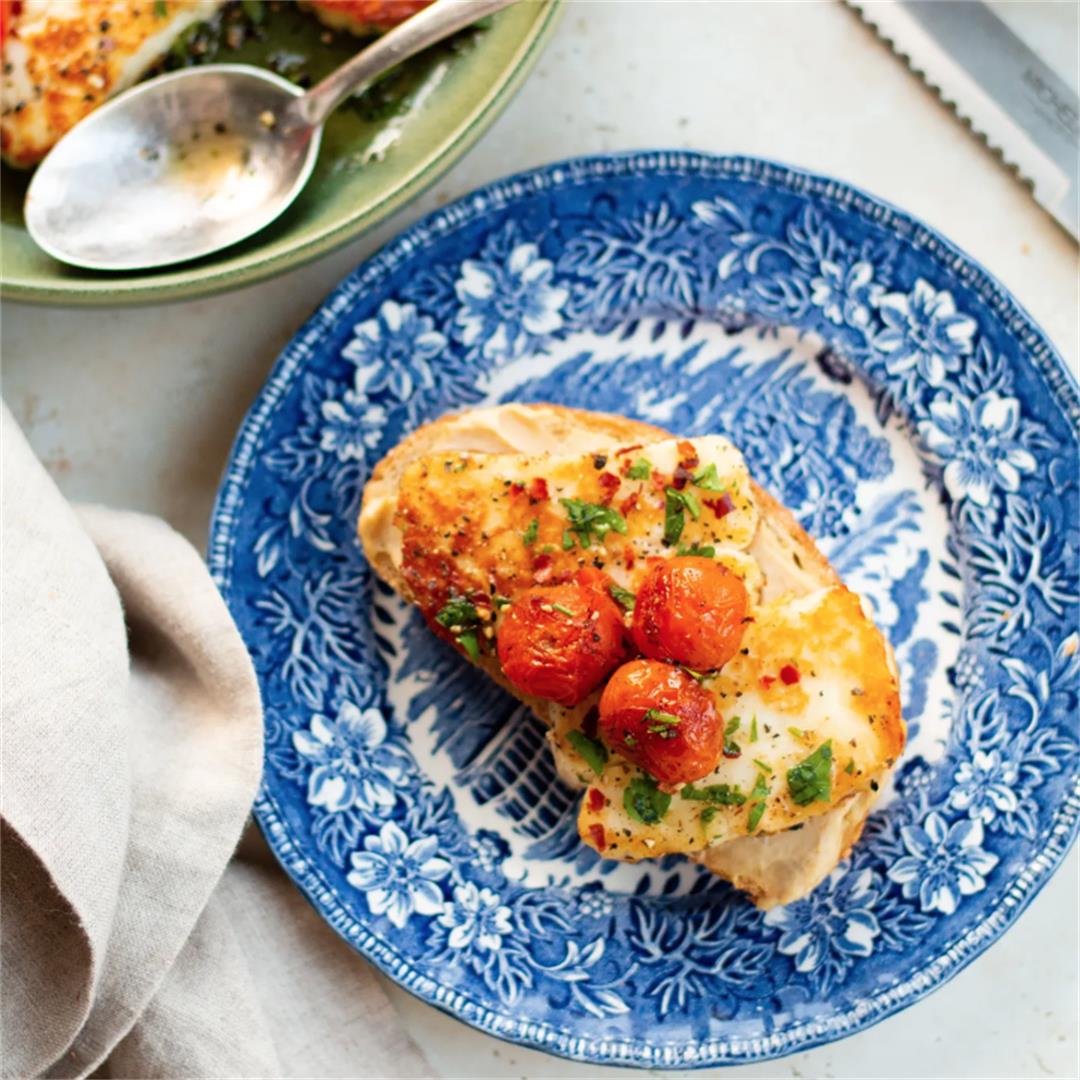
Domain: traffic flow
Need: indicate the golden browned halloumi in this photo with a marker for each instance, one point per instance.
(810, 703)
(63, 58)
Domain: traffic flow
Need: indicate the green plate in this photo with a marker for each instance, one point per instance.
(378, 152)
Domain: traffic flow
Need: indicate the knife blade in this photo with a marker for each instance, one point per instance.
(997, 85)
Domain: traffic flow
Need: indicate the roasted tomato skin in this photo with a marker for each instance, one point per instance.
(559, 641)
(673, 753)
(690, 610)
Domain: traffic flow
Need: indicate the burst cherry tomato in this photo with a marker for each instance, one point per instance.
(659, 717)
(690, 610)
(559, 641)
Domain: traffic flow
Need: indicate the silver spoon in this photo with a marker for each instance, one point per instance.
(196, 160)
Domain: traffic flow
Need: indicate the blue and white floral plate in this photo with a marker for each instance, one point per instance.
(883, 386)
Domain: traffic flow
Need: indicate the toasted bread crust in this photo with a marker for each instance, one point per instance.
(772, 869)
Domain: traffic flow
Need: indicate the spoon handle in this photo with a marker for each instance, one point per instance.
(440, 20)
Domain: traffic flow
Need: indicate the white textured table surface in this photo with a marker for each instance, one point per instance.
(138, 408)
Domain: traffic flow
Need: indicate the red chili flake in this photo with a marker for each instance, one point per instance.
(598, 837)
(609, 484)
(516, 490)
(538, 490)
(720, 507)
(767, 680)
(688, 462)
(628, 504)
(789, 674)
(543, 568)
(628, 449)
(596, 799)
(687, 454)
(628, 557)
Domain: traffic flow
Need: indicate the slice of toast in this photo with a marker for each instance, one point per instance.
(774, 866)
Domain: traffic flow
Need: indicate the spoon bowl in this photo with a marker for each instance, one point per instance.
(174, 169)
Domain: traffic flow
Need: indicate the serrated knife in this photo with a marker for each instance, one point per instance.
(994, 82)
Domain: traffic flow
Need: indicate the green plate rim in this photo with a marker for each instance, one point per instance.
(106, 291)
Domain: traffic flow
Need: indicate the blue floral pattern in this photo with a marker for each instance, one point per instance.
(399, 875)
(944, 862)
(880, 385)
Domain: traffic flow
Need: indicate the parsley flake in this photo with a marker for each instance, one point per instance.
(759, 793)
(528, 537)
(623, 597)
(706, 551)
(717, 794)
(708, 479)
(458, 614)
(470, 643)
(661, 723)
(594, 753)
(590, 521)
(460, 617)
(811, 780)
(753, 728)
(640, 470)
(644, 801)
(762, 766)
(674, 518)
(707, 814)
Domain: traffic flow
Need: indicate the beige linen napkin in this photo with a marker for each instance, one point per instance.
(131, 752)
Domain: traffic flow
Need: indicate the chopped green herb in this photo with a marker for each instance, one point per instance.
(753, 728)
(661, 723)
(761, 765)
(460, 617)
(457, 613)
(591, 521)
(674, 518)
(161, 9)
(717, 794)
(708, 480)
(629, 740)
(690, 501)
(562, 609)
(469, 642)
(502, 601)
(594, 753)
(797, 732)
(641, 469)
(254, 10)
(567, 540)
(707, 814)
(623, 597)
(850, 768)
(811, 780)
(528, 537)
(674, 503)
(699, 675)
(706, 551)
(644, 801)
(759, 792)
(731, 747)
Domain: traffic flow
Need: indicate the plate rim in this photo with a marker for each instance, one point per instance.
(1060, 833)
(107, 291)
